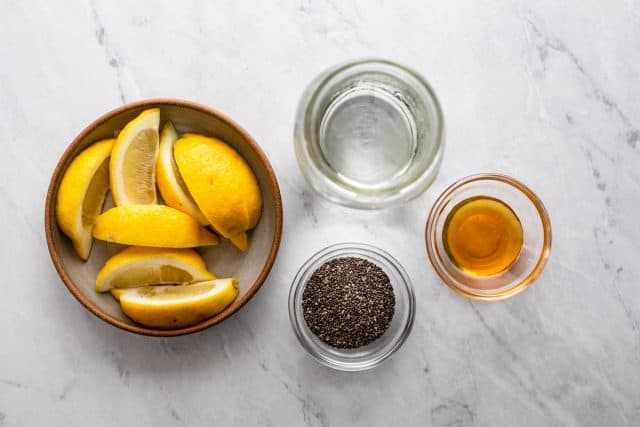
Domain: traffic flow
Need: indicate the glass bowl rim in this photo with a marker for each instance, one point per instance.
(296, 318)
(513, 289)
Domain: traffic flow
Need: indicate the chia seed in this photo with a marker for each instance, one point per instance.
(348, 302)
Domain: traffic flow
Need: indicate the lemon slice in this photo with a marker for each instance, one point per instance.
(133, 159)
(222, 184)
(141, 266)
(81, 195)
(170, 183)
(151, 225)
(177, 306)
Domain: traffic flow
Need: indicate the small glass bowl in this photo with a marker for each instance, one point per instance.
(369, 134)
(379, 350)
(536, 244)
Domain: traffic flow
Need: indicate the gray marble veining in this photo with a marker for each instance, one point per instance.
(544, 91)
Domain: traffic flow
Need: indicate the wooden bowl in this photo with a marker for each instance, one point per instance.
(251, 267)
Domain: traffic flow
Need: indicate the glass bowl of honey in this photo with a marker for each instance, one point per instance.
(488, 237)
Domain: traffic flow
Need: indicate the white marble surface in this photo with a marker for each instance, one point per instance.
(546, 91)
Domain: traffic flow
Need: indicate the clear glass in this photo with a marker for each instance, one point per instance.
(536, 246)
(379, 350)
(369, 134)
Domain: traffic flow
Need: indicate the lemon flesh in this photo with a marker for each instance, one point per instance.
(221, 182)
(177, 306)
(133, 177)
(141, 266)
(172, 188)
(81, 195)
(151, 225)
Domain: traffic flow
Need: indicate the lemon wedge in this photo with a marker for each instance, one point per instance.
(141, 266)
(81, 194)
(177, 306)
(240, 240)
(133, 160)
(222, 184)
(170, 183)
(151, 225)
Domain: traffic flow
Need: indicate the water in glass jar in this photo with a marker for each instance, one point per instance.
(368, 136)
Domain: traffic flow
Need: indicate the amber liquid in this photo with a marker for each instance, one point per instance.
(482, 236)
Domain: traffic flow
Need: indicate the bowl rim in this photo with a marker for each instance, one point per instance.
(57, 260)
(541, 262)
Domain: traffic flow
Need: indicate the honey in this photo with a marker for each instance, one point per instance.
(482, 236)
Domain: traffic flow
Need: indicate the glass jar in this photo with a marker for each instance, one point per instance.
(369, 134)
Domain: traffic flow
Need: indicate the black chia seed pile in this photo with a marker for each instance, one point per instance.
(348, 302)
